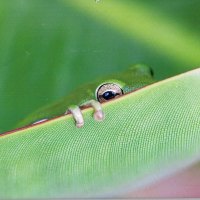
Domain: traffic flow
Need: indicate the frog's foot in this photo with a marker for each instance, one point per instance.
(98, 111)
(77, 114)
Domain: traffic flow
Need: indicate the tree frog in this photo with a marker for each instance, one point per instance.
(93, 94)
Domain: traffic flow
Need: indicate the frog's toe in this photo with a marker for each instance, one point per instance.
(98, 111)
(99, 115)
(78, 117)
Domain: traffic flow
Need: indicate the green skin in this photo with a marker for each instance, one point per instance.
(137, 76)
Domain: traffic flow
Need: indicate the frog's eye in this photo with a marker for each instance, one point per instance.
(108, 91)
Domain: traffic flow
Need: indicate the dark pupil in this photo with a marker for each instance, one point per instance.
(109, 95)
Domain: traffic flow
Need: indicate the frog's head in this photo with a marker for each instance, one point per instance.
(137, 76)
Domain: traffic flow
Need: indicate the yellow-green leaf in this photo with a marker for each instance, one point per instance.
(146, 135)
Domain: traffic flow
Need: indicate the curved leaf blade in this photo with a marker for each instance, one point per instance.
(146, 135)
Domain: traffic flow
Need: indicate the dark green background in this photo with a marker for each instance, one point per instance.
(48, 48)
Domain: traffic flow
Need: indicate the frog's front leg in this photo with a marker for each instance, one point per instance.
(77, 114)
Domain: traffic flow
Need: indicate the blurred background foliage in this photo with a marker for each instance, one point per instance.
(50, 47)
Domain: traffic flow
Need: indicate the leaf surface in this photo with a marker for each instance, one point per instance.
(146, 135)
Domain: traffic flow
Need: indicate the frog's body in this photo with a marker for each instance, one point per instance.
(135, 77)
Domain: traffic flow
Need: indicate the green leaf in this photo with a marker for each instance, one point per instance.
(146, 135)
